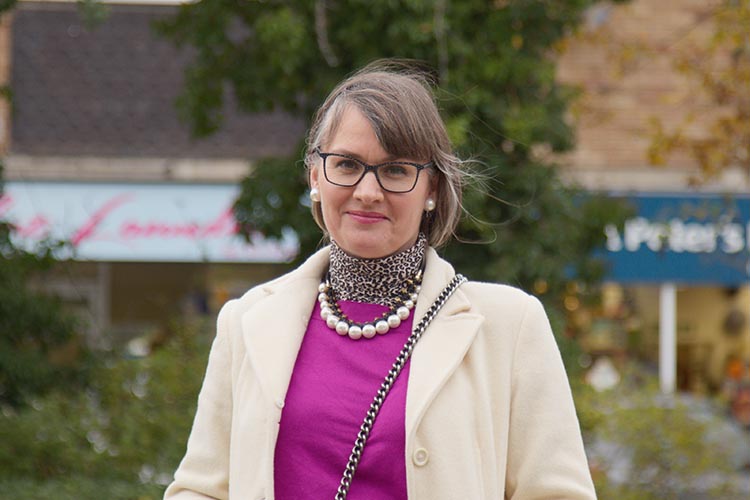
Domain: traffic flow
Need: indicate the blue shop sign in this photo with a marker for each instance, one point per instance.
(696, 239)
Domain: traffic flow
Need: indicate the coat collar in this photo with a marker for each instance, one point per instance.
(444, 343)
(274, 326)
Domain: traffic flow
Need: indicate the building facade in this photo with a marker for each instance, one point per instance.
(95, 153)
(94, 129)
(678, 293)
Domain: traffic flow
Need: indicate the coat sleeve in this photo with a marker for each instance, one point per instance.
(204, 471)
(546, 459)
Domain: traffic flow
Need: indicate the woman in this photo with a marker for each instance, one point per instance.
(481, 410)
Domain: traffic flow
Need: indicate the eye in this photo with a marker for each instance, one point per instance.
(396, 170)
(344, 165)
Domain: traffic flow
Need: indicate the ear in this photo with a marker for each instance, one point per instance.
(314, 172)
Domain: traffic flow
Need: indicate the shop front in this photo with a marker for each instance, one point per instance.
(677, 296)
(136, 255)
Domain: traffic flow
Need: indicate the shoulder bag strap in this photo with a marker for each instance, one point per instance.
(403, 357)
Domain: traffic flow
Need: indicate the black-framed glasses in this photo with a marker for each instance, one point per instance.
(393, 176)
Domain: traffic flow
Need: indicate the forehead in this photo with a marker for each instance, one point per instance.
(354, 133)
(385, 136)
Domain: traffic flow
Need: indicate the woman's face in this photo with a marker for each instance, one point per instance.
(364, 220)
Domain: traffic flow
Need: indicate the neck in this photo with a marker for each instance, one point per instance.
(376, 281)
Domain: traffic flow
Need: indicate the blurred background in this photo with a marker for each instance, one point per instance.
(151, 170)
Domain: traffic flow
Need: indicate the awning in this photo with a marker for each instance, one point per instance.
(137, 222)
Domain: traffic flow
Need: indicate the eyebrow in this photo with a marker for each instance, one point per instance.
(389, 158)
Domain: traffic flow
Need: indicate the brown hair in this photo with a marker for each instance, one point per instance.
(397, 100)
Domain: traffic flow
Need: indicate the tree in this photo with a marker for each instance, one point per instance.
(718, 69)
(39, 346)
(690, 77)
(494, 64)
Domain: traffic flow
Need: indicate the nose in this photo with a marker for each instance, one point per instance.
(368, 190)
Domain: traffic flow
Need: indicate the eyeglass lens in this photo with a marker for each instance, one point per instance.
(396, 177)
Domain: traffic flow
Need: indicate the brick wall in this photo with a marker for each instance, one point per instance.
(625, 85)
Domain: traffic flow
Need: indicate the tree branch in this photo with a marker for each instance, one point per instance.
(321, 34)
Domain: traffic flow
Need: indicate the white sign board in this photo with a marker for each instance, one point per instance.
(137, 222)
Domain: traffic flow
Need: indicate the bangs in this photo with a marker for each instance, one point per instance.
(399, 131)
(400, 118)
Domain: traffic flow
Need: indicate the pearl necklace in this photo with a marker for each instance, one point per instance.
(336, 320)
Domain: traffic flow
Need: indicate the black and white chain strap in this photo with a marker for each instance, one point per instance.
(385, 387)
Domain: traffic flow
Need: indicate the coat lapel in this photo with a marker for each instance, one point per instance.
(444, 343)
(274, 327)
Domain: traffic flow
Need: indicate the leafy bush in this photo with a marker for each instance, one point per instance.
(79, 488)
(122, 438)
(40, 349)
(646, 446)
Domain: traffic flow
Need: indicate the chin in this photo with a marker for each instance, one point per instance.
(366, 248)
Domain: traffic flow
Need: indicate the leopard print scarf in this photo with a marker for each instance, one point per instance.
(375, 281)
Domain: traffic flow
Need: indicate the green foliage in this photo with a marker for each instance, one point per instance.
(7, 5)
(497, 91)
(148, 404)
(272, 201)
(122, 438)
(39, 347)
(93, 12)
(80, 487)
(647, 446)
(717, 68)
(495, 73)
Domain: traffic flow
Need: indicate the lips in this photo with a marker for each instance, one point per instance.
(366, 217)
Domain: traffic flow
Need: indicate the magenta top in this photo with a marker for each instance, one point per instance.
(333, 383)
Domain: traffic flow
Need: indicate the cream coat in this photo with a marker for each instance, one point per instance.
(489, 414)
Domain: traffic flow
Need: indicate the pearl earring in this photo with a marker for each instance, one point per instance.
(315, 195)
(429, 205)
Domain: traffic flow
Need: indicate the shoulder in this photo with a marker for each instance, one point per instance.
(487, 299)
(506, 304)
(480, 292)
(513, 322)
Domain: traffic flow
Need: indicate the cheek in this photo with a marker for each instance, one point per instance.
(411, 212)
(331, 202)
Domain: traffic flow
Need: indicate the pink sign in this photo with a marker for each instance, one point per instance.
(137, 222)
